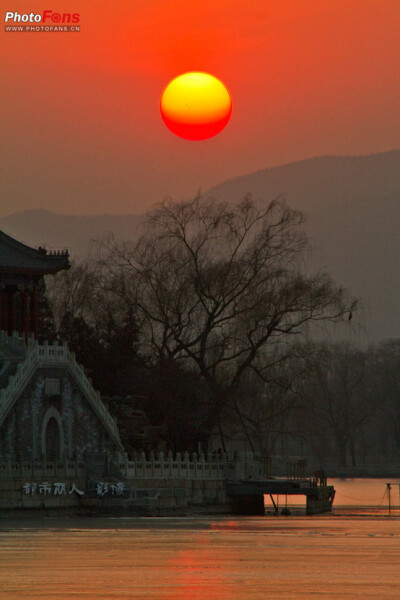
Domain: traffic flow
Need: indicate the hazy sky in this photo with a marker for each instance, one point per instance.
(81, 129)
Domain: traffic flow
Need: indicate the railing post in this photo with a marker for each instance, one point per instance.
(152, 460)
(170, 461)
(194, 459)
(143, 460)
(203, 464)
(179, 463)
(161, 461)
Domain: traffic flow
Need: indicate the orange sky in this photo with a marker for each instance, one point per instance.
(81, 127)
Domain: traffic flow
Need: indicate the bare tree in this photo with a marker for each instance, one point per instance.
(71, 292)
(218, 286)
(77, 294)
(338, 396)
(265, 411)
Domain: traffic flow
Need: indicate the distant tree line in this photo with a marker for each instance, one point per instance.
(204, 322)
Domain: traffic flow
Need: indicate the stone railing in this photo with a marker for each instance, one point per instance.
(54, 355)
(154, 466)
(181, 466)
(191, 466)
(17, 382)
(36, 469)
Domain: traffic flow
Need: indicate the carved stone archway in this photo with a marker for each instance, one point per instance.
(52, 435)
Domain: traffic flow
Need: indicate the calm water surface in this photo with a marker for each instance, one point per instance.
(354, 553)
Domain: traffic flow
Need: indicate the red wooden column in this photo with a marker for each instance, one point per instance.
(11, 324)
(34, 313)
(3, 311)
(24, 314)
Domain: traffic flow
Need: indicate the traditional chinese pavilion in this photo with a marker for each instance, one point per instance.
(21, 271)
(49, 411)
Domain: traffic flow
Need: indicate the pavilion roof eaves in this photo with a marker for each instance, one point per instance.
(16, 257)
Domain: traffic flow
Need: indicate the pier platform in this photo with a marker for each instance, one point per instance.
(247, 497)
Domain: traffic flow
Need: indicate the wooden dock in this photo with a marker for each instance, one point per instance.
(247, 496)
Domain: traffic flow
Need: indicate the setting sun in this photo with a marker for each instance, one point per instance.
(196, 106)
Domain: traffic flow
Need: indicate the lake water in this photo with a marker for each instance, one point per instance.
(352, 554)
(353, 496)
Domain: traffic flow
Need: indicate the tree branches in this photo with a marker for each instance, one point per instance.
(216, 285)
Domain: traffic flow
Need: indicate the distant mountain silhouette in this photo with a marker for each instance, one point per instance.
(352, 206)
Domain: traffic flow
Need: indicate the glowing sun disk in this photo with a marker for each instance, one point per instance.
(196, 106)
